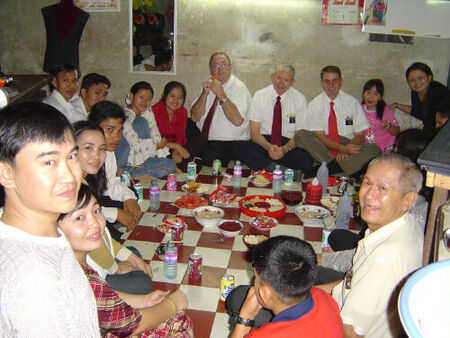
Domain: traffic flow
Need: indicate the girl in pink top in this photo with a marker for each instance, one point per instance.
(383, 125)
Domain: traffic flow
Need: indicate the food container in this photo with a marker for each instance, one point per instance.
(311, 214)
(230, 228)
(205, 215)
(252, 240)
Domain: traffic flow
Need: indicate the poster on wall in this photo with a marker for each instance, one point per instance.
(98, 5)
(375, 12)
(341, 12)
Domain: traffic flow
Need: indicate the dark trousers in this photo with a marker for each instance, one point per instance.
(108, 202)
(256, 157)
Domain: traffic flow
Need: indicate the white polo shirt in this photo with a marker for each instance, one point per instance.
(349, 114)
(382, 259)
(58, 101)
(293, 110)
(221, 128)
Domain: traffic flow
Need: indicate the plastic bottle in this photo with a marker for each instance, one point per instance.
(344, 212)
(328, 227)
(322, 176)
(154, 196)
(277, 178)
(170, 261)
(237, 175)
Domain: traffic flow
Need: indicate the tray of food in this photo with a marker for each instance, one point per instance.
(190, 202)
(262, 204)
(194, 188)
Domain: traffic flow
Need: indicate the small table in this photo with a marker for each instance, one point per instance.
(436, 160)
(29, 87)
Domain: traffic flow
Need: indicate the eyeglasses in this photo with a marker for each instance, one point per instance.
(219, 66)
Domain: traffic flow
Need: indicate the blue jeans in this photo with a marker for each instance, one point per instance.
(153, 166)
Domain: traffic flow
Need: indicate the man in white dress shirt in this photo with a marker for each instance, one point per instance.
(65, 85)
(220, 111)
(342, 148)
(391, 249)
(94, 88)
(272, 140)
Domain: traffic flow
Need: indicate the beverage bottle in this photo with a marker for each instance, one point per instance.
(322, 176)
(344, 212)
(237, 175)
(277, 178)
(154, 196)
(170, 261)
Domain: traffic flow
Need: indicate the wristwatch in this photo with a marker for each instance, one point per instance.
(245, 321)
(222, 101)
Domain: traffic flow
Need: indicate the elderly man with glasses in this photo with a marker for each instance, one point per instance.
(220, 111)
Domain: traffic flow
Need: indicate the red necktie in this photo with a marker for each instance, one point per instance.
(275, 138)
(332, 128)
(209, 117)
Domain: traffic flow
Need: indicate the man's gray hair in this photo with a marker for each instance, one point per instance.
(411, 177)
(289, 68)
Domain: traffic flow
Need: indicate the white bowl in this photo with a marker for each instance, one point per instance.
(424, 301)
(320, 212)
(230, 233)
(208, 222)
(330, 202)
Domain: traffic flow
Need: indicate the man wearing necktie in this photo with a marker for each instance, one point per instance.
(335, 128)
(220, 111)
(276, 112)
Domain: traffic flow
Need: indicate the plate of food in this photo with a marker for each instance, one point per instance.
(190, 201)
(261, 178)
(311, 214)
(263, 223)
(230, 228)
(195, 188)
(262, 204)
(168, 221)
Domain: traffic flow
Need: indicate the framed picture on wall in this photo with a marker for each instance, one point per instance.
(153, 36)
(98, 5)
(341, 12)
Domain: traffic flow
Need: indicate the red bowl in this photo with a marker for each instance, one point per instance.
(253, 213)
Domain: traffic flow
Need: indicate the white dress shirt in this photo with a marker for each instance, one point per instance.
(349, 114)
(221, 128)
(79, 108)
(382, 259)
(293, 110)
(56, 100)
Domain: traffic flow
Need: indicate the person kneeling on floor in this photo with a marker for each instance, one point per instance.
(285, 268)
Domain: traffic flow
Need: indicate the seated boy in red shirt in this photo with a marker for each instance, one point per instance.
(285, 268)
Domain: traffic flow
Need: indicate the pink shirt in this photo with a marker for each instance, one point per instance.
(375, 133)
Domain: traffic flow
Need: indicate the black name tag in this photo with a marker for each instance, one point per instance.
(348, 121)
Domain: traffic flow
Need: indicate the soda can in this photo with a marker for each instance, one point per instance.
(342, 185)
(171, 183)
(125, 178)
(288, 176)
(195, 266)
(191, 171)
(139, 191)
(226, 285)
(216, 168)
(177, 233)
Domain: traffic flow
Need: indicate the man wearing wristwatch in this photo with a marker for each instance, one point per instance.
(285, 269)
(220, 111)
(276, 112)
